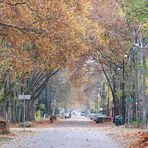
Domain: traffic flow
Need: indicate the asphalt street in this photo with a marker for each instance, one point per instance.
(77, 132)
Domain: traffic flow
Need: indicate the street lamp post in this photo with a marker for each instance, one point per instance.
(123, 90)
(108, 104)
(103, 97)
(143, 48)
(114, 92)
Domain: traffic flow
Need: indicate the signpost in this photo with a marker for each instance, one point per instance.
(24, 97)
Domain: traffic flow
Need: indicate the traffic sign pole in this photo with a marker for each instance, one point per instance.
(24, 111)
(24, 97)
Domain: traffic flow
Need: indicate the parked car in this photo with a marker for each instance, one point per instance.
(83, 114)
(95, 117)
(98, 115)
(67, 115)
(100, 118)
(91, 116)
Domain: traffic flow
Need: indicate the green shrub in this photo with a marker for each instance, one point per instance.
(38, 115)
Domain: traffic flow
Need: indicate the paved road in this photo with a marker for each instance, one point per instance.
(70, 133)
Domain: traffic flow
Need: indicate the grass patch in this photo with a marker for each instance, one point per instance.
(4, 139)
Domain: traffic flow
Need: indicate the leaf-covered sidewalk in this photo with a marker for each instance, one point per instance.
(128, 137)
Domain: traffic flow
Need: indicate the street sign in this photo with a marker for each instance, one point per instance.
(26, 97)
(130, 100)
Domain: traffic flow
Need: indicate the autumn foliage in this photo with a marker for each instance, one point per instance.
(39, 34)
(142, 141)
(39, 38)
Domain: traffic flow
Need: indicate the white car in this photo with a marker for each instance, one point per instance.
(67, 115)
